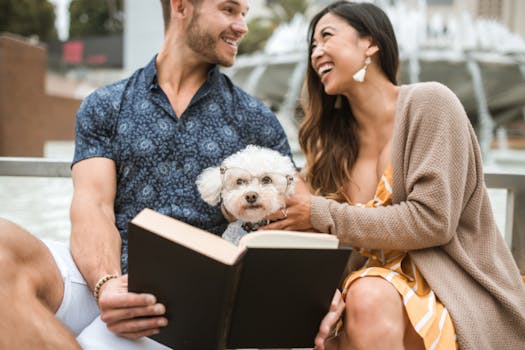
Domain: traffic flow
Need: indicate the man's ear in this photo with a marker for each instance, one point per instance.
(209, 184)
(180, 8)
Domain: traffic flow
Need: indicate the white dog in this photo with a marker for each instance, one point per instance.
(252, 184)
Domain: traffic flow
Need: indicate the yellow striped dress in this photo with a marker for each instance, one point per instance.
(426, 313)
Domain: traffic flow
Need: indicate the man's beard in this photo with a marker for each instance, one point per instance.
(205, 44)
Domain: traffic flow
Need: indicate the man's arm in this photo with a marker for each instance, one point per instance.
(95, 240)
(95, 246)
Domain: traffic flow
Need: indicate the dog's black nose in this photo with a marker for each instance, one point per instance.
(251, 197)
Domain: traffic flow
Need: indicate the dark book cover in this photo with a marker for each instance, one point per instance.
(233, 297)
(196, 289)
(283, 295)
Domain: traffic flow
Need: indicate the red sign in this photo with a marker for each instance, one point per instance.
(73, 52)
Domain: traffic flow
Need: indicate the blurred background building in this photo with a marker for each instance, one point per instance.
(475, 47)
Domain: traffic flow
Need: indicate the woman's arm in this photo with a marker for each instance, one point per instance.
(435, 172)
(434, 168)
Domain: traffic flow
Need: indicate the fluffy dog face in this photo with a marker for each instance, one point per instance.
(253, 183)
(250, 196)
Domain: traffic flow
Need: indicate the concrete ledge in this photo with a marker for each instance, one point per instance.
(513, 183)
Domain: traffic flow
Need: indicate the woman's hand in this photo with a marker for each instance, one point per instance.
(130, 315)
(296, 215)
(327, 329)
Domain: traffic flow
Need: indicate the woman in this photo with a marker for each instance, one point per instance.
(396, 173)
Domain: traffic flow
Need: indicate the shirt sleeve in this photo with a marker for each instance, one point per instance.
(94, 127)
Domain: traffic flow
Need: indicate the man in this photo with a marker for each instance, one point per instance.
(141, 143)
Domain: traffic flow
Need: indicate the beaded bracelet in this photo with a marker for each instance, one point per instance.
(100, 283)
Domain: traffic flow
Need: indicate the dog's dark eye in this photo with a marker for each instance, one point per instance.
(266, 180)
(240, 182)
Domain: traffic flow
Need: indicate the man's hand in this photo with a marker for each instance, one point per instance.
(327, 329)
(130, 315)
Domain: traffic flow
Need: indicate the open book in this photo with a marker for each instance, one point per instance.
(270, 291)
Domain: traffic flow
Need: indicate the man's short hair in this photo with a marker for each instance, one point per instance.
(166, 10)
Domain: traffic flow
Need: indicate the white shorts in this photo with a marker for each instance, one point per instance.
(78, 308)
(79, 311)
(98, 337)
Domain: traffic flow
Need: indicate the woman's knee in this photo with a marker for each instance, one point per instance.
(374, 307)
(370, 322)
(371, 294)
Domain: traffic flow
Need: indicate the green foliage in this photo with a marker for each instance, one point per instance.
(95, 18)
(28, 18)
(261, 28)
(284, 10)
(260, 31)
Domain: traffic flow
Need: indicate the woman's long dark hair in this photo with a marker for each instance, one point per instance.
(327, 134)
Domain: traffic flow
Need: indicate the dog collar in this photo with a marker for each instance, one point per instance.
(254, 226)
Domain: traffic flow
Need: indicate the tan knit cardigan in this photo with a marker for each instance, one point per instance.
(441, 214)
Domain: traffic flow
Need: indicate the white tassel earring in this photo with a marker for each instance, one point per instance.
(359, 76)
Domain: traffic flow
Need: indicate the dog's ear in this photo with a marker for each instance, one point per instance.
(209, 185)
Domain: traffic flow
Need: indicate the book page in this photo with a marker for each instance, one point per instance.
(289, 239)
(189, 236)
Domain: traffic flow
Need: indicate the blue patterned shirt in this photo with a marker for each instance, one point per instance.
(158, 156)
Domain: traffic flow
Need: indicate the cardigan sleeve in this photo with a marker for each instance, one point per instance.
(433, 148)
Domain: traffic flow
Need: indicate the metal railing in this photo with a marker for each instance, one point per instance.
(37, 167)
(514, 184)
(515, 212)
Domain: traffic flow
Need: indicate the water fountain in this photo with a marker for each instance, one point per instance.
(480, 60)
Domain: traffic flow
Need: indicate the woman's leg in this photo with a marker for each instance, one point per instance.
(412, 339)
(375, 318)
(31, 290)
